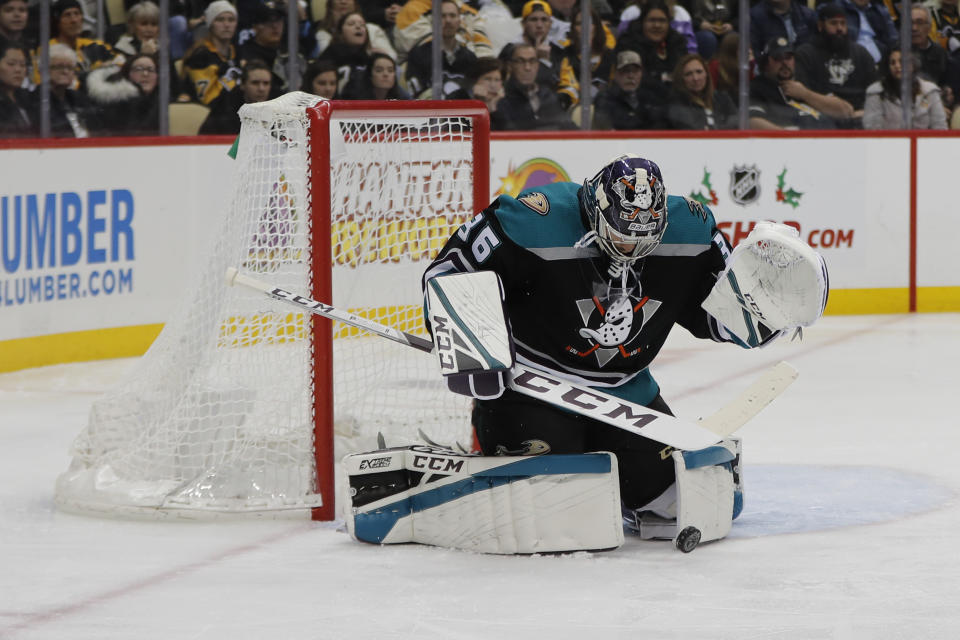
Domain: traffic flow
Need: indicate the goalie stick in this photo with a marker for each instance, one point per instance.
(583, 400)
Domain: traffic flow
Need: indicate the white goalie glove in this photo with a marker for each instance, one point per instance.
(773, 282)
(470, 332)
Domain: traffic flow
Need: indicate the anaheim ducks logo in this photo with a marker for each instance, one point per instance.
(613, 329)
(637, 195)
(536, 201)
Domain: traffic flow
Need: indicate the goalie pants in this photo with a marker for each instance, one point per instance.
(511, 425)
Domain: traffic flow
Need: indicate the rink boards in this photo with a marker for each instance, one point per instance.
(92, 262)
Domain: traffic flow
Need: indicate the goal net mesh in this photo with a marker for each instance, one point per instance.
(218, 415)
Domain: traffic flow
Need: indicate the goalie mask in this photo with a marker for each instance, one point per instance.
(626, 204)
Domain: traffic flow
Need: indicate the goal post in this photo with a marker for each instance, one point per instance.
(325, 213)
(242, 406)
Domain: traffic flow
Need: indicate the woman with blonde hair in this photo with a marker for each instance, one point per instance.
(143, 29)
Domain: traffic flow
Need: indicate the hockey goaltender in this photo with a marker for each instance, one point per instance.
(549, 309)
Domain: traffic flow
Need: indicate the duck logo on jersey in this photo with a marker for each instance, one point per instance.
(637, 193)
(537, 202)
(613, 330)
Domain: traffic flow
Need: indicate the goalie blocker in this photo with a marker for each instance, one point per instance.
(470, 332)
(533, 504)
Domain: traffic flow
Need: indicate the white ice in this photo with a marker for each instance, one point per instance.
(849, 529)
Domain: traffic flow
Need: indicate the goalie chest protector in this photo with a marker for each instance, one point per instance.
(560, 299)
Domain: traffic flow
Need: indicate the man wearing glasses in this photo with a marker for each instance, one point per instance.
(529, 105)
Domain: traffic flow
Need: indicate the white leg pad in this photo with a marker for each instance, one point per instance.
(500, 504)
(707, 496)
(704, 495)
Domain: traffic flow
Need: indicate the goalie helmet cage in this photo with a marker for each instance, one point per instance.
(243, 406)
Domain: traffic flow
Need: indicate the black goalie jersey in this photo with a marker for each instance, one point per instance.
(568, 314)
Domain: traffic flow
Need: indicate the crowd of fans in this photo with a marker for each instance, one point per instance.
(655, 64)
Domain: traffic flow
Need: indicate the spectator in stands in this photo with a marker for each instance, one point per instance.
(657, 43)
(870, 25)
(351, 48)
(67, 19)
(535, 20)
(725, 67)
(528, 105)
(788, 19)
(321, 79)
(561, 17)
(268, 43)
(946, 23)
(254, 86)
(127, 97)
(626, 104)
(694, 104)
(933, 57)
(378, 81)
(779, 101)
(680, 21)
(484, 82)
(70, 110)
(18, 119)
(457, 56)
(143, 28)
(712, 20)
(211, 67)
(832, 64)
(415, 22)
(328, 26)
(602, 60)
(883, 109)
(13, 23)
(382, 13)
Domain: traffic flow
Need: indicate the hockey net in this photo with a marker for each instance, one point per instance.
(241, 405)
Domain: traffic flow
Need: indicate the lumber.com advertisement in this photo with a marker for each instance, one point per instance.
(93, 238)
(59, 246)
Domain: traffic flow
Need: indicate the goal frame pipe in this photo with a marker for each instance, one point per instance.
(320, 189)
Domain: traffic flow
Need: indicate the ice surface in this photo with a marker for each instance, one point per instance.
(849, 528)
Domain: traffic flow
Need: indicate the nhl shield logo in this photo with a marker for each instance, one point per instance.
(745, 184)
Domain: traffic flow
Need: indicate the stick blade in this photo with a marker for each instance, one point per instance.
(748, 404)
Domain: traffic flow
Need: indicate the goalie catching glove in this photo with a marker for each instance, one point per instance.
(470, 332)
(773, 282)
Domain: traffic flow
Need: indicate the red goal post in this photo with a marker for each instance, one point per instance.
(323, 214)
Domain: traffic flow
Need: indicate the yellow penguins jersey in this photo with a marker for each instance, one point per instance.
(206, 74)
(91, 54)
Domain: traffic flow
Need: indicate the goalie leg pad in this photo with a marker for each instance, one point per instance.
(708, 495)
(492, 504)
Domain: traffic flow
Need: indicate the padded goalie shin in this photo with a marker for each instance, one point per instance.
(707, 497)
(497, 504)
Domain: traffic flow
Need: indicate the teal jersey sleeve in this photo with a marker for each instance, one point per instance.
(542, 217)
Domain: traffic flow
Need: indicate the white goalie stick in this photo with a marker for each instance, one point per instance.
(583, 400)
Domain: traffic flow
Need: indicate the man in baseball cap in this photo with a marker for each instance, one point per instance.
(779, 101)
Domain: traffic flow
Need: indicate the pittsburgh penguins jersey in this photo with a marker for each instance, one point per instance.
(568, 314)
(207, 74)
